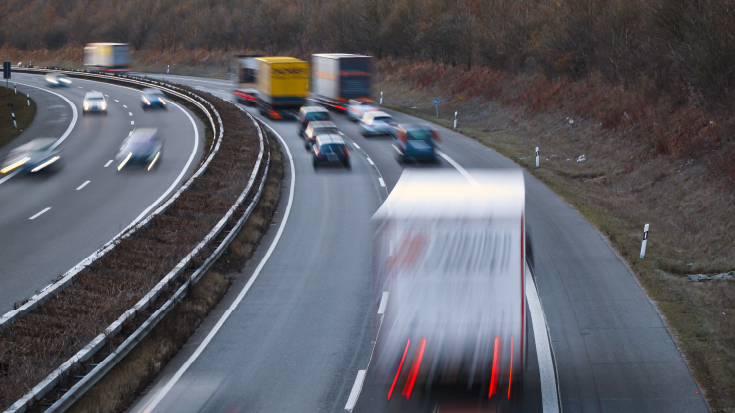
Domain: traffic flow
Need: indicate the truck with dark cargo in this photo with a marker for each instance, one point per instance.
(337, 78)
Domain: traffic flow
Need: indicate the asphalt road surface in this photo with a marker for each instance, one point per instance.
(51, 222)
(299, 323)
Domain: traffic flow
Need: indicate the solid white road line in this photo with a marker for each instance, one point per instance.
(356, 146)
(383, 302)
(84, 184)
(152, 405)
(356, 389)
(382, 182)
(458, 167)
(73, 117)
(40, 213)
(549, 391)
(108, 163)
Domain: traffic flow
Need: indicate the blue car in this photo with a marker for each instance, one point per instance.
(143, 148)
(416, 141)
(153, 99)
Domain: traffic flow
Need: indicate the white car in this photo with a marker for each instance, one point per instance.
(57, 79)
(357, 107)
(94, 102)
(377, 123)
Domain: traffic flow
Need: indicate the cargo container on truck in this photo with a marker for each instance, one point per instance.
(450, 261)
(107, 56)
(276, 85)
(336, 78)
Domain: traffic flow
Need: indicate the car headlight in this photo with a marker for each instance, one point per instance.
(146, 101)
(104, 105)
(86, 105)
(45, 164)
(15, 165)
(162, 101)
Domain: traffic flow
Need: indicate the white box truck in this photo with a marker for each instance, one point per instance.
(107, 56)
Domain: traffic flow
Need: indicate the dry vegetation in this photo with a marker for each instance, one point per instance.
(24, 114)
(40, 341)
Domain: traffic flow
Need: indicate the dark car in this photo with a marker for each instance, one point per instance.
(142, 148)
(316, 128)
(330, 148)
(416, 141)
(153, 99)
(38, 155)
(310, 113)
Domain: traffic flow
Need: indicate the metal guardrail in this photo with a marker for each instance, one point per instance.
(88, 351)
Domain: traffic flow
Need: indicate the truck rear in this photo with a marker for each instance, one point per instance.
(449, 256)
(243, 74)
(281, 85)
(337, 78)
(107, 56)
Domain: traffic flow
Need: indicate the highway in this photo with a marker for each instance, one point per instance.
(51, 222)
(299, 323)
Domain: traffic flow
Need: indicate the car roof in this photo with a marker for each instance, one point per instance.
(143, 135)
(322, 124)
(307, 109)
(34, 145)
(416, 126)
(94, 95)
(152, 91)
(331, 137)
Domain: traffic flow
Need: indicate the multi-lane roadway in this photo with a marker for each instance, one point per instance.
(297, 329)
(51, 222)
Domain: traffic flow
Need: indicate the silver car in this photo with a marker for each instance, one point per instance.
(357, 107)
(57, 79)
(377, 123)
(94, 102)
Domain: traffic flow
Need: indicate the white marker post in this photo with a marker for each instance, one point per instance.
(455, 120)
(14, 124)
(381, 98)
(537, 157)
(15, 85)
(571, 122)
(167, 67)
(28, 96)
(645, 239)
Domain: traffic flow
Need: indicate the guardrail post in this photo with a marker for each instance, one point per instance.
(645, 239)
(537, 157)
(28, 96)
(14, 124)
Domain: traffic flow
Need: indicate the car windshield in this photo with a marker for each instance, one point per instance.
(317, 116)
(139, 145)
(325, 129)
(331, 148)
(94, 98)
(384, 119)
(423, 135)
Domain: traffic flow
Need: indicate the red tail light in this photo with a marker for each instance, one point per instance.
(494, 374)
(316, 151)
(415, 368)
(345, 152)
(400, 366)
(510, 379)
(274, 114)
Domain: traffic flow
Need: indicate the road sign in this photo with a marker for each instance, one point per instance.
(6, 70)
(11, 104)
(436, 102)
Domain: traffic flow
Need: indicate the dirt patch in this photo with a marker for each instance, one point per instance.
(39, 341)
(125, 382)
(24, 114)
(624, 182)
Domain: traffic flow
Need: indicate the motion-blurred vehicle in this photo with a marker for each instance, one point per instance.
(337, 77)
(57, 79)
(377, 123)
(153, 98)
(110, 57)
(143, 148)
(451, 261)
(311, 113)
(330, 148)
(244, 74)
(279, 84)
(38, 155)
(316, 128)
(416, 141)
(94, 102)
(357, 107)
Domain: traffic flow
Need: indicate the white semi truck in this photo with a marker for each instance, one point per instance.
(107, 56)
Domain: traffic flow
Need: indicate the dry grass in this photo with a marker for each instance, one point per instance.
(40, 341)
(122, 385)
(625, 182)
(24, 114)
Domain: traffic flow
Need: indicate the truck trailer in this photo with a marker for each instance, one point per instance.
(107, 56)
(336, 78)
(276, 85)
(451, 257)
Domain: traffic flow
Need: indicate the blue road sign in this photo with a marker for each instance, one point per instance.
(436, 102)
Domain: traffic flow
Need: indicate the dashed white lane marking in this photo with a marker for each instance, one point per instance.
(356, 388)
(107, 96)
(130, 113)
(117, 101)
(94, 91)
(371, 161)
(382, 182)
(125, 106)
(39, 214)
(84, 184)
(170, 384)
(80, 87)
(221, 90)
(356, 146)
(383, 303)
(109, 162)
(132, 122)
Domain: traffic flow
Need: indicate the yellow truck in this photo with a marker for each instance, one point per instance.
(277, 85)
(107, 56)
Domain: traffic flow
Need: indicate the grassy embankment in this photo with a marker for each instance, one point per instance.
(24, 114)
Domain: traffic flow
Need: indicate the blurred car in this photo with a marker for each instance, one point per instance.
(57, 79)
(38, 155)
(330, 148)
(153, 98)
(377, 123)
(310, 113)
(357, 107)
(316, 128)
(142, 148)
(416, 141)
(94, 102)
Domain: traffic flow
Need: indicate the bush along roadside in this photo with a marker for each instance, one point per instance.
(24, 109)
(38, 342)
